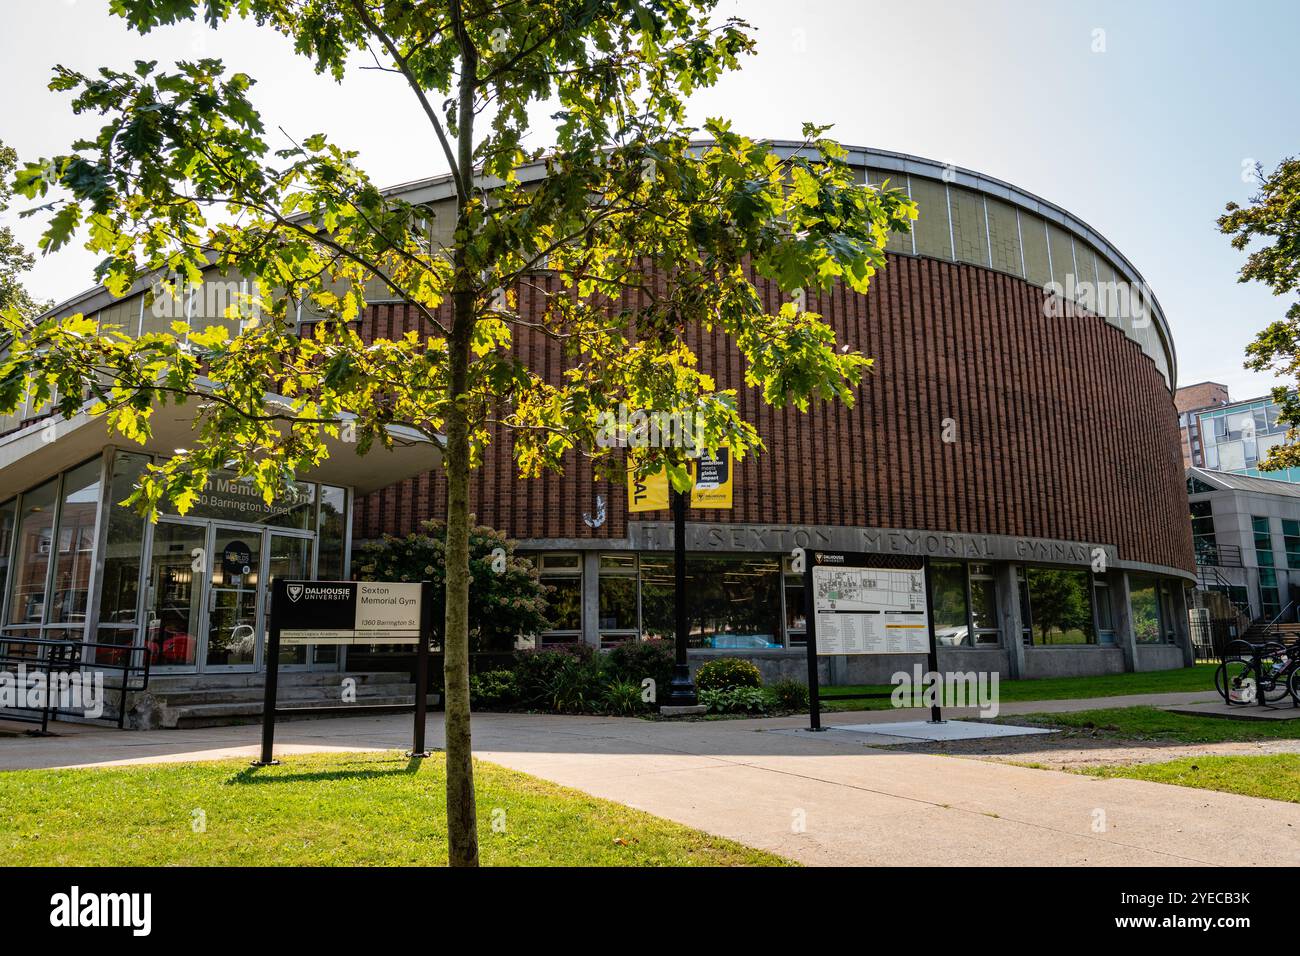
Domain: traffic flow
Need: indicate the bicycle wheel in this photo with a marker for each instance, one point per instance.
(1293, 685)
(1234, 674)
(1273, 681)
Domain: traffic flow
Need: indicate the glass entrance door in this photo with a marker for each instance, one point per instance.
(287, 556)
(174, 600)
(209, 597)
(233, 599)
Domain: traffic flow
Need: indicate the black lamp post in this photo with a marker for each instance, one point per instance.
(682, 691)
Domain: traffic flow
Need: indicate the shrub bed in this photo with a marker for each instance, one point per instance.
(577, 679)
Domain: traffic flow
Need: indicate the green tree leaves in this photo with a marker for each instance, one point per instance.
(1270, 229)
(14, 259)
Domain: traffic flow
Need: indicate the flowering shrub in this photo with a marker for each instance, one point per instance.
(724, 673)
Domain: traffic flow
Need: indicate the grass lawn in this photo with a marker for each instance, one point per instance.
(1197, 678)
(332, 810)
(1273, 776)
(1148, 723)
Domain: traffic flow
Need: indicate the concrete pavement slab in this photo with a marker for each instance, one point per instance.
(943, 730)
(1217, 708)
(817, 798)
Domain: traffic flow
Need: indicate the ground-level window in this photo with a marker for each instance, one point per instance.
(948, 597)
(1270, 600)
(735, 601)
(983, 605)
(1026, 621)
(35, 537)
(562, 573)
(74, 554)
(1169, 604)
(618, 599)
(1144, 599)
(796, 615)
(1291, 538)
(1060, 607)
(7, 513)
(119, 594)
(965, 601)
(1105, 609)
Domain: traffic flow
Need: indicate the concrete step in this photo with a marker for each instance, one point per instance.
(165, 683)
(220, 715)
(208, 700)
(331, 692)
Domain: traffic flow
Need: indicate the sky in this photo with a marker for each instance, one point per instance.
(1140, 117)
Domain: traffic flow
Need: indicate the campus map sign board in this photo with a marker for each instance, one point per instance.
(869, 610)
(862, 603)
(350, 612)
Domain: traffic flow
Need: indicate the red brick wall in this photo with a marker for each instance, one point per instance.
(1201, 395)
(1064, 429)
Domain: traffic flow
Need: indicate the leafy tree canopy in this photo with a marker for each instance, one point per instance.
(1269, 227)
(625, 199)
(14, 259)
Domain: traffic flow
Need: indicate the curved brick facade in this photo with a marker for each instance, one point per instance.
(1065, 429)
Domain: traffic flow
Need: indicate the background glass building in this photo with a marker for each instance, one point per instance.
(1238, 436)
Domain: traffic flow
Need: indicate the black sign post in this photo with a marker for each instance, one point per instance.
(936, 711)
(841, 559)
(372, 612)
(272, 677)
(682, 691)
(810, 637)
(422, 671)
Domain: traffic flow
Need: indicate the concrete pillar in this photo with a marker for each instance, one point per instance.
(1182, 627)
(1125, 637)
(591, 597)
(1009, 622)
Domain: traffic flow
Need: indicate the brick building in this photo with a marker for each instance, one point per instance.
(1019, 428)
(1065, 446)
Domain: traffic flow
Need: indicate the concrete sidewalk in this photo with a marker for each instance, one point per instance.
(817, 798)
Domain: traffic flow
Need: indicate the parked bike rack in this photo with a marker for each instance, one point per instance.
(1255, 654)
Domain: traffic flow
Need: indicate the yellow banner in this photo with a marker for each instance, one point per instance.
(712, 480)
(647, 494)
(712, 488)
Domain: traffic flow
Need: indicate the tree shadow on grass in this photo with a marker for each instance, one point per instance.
(255, 775)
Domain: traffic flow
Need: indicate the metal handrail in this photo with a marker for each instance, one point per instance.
(1280, 614)
(64, 656)
(1225, 587)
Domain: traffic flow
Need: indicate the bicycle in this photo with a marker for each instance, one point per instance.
(1259, 673)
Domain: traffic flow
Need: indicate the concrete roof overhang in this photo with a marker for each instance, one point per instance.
(45, 447)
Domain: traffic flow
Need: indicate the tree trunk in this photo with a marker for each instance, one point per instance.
(462, 826)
